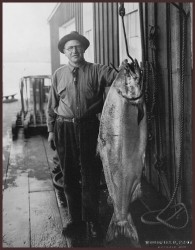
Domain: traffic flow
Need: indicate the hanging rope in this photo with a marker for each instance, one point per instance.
(174, 210)
(160, 159)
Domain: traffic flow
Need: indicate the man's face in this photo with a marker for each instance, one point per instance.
(74, 50)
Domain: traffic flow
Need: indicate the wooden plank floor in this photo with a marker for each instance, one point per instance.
(16, 199)
(31, 216)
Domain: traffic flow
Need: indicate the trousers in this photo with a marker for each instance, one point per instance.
(81, 167)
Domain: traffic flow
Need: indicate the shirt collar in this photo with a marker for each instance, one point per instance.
(82, 66)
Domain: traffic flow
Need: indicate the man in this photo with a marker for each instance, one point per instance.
(75, 99)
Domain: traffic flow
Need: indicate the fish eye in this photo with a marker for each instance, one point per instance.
(119, 91)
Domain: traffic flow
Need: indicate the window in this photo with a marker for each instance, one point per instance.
(132, 28)
(63, 30)
(88, 30)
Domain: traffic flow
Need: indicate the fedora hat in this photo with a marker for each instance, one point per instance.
(74, 35)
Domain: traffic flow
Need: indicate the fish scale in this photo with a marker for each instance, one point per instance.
(121, 146)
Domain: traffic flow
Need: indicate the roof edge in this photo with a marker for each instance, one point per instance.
(53, 12)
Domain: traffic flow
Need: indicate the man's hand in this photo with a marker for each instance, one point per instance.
(51, 140)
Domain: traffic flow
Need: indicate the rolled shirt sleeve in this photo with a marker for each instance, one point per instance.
(106, 75)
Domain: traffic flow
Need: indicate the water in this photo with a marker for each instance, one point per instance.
(13, 71)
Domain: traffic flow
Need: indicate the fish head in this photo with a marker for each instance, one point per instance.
(129, 82)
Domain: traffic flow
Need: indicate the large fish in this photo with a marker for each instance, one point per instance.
(121, 146)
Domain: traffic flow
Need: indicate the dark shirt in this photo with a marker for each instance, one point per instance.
(81, 98)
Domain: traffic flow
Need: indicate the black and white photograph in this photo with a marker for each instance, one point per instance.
(97, 124)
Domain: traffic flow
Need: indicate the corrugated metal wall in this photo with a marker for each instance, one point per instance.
(165, 124)
(106, 33)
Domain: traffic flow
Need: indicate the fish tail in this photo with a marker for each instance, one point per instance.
(124, 228)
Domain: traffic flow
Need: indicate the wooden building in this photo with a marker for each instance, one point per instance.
(159, 36)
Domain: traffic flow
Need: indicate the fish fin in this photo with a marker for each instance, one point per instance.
(140, 113)
(131, 232)
(137, 193)
(124, 228)
(109, 200)
(98, 149)
(111, 230)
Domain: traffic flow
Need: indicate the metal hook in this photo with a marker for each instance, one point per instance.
(122, 14)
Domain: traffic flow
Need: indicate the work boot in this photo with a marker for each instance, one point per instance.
(74, 228)
(94, 230)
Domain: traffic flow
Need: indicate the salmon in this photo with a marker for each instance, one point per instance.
(121, 145)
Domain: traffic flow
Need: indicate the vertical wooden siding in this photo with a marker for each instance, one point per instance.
(64, 13)
(106, 30)
(106, 33)
(167, 19)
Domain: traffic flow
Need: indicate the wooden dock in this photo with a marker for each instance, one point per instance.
(33, 214)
